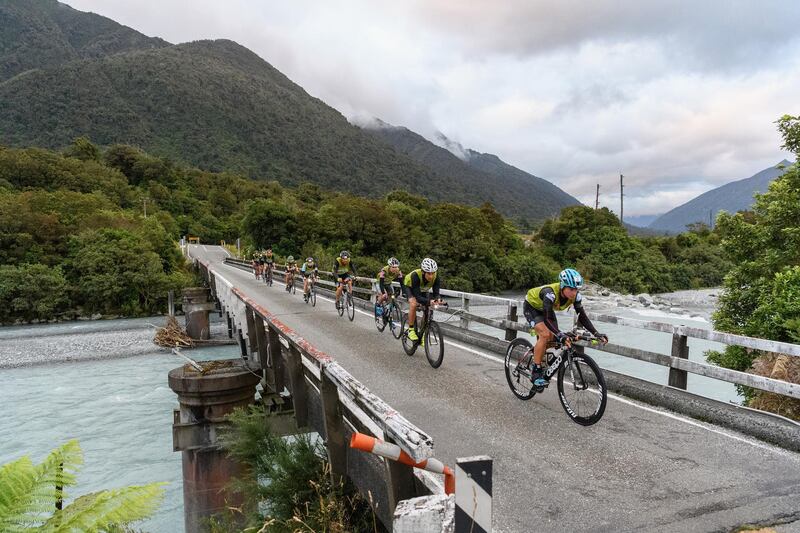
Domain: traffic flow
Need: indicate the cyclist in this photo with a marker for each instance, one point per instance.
(539, 308)
(387, 275)
(291, 269)
(416, 285)
(308, 269)
(346, 264)
(268, 262)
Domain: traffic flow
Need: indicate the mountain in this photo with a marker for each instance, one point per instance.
(38, 34)
(731, 197)
(513, 191)
(218, 106)
(641, 221)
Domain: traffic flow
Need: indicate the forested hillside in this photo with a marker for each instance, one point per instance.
(211, 104)
(74, 238)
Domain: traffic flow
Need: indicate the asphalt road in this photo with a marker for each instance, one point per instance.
(638, 469)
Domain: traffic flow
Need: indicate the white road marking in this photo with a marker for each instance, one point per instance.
(500, 360)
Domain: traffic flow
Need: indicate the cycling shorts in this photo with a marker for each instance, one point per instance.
(532, 315)
(343, 276)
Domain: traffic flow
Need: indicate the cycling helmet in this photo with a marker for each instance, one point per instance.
(570, 278)
(393, 262)
(290, 259)
(344, 254)
(309, 259)
(429, 265)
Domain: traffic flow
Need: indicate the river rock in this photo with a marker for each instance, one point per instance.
(645, 299)
(97, 316)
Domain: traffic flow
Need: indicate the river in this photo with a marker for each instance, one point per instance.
(115, 401)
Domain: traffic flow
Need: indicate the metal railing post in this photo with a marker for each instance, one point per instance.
(511, 316)
(464, 323)
(680, 348)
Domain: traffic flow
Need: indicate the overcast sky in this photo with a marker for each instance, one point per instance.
(680, 96)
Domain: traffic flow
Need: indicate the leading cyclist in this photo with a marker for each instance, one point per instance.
(539, 308)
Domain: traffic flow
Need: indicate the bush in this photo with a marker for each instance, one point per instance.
(32, 292)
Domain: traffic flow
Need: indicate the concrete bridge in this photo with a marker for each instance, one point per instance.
(641, 468)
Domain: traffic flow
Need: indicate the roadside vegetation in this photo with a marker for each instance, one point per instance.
(761, 296)
(289, 487)
(36, 497)
(92, 231)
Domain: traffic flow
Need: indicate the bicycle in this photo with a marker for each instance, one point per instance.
(256, 269)
(311, 294)
(347, 296)
(582, 394)
(267, 275)
(429, 333)
(391, 315)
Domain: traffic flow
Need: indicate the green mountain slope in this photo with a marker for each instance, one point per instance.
(218, 106)
(44, 33)
(513, 191)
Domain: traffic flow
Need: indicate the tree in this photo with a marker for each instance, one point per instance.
(29, 492)
(268, 223)
(32, 292)
(762, 291)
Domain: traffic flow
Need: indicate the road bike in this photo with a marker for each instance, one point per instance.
(428, 333)
(346, 300)
(311, 294)
(390, 315)
(581, 385)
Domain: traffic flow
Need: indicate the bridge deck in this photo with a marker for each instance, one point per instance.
(637, 469)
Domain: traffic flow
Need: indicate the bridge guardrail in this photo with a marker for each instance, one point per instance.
(292, 363)
(677, 361)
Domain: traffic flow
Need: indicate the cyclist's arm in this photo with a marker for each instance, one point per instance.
(436, 286)
(383, 286)
(583, 319)
(548, 298)
(353, 268)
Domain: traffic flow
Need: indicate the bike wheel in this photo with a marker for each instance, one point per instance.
(519, 357)
(340, 307)
(313, 297)
(294, 287)
(396, 321)
(434, 345)
(582, 390)
(380, 323)
(351, 307)
(409, 346)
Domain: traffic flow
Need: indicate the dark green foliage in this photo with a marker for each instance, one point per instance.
(118, 271)
(216, 105)
(31, 292)
(290, 486)
(762, 290)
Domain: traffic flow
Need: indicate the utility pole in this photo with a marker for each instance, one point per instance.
(710, 220)
(621, 195)
(597, 198)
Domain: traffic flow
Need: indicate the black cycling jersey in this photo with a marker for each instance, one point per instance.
(415, 291)
(548, 296)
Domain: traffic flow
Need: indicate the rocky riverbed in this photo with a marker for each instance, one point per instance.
(83, 341)
(696, 304)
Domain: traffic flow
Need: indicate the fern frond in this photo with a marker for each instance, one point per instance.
(28, 491)
(100, 511)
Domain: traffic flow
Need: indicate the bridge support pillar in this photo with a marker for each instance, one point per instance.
(196, 308)
(205, 400)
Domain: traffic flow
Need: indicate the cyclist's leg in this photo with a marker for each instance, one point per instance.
(339, 285)
(535, 318)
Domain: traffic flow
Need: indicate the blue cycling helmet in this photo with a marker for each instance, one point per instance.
(570, 278)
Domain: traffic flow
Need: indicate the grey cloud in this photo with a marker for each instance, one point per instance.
(705, 34)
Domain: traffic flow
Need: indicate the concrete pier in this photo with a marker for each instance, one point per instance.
(205, 399)
(196, 308)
